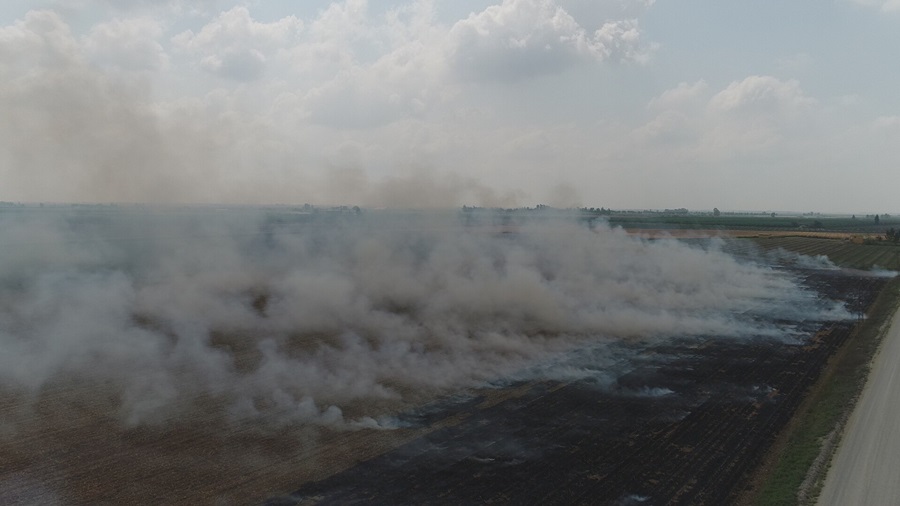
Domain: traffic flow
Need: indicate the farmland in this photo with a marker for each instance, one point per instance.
(687, 425)
(762, 222)
(719, 442)
(447, 362)
(875, 255)
(795, 469)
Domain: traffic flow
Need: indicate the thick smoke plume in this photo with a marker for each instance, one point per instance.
(344, 320)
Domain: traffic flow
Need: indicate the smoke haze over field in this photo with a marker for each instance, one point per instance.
(629, 104)
(278, 317)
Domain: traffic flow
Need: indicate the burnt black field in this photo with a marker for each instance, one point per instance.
(687, 424)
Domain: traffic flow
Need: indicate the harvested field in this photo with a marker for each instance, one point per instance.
(398, 362)
(842, 252)
(685, 422)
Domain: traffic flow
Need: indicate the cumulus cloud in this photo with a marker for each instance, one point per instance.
(43, 40)
(400, 84)
(234, 45)
(338, 37)
(755, 130)
(238, 108)
(758, 115)
(684, 94)
(129, 44)
(178, 7)
(761, 93)
(94, 118)
(595, 13)
(748, 116)
(523, 38)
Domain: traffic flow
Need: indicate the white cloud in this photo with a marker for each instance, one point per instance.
(180, 7)
(130, 44)
(339, 38)
(403, 81)
(42, 39)
(598, 12)
(668, 126)
(680, 96)
(342, 21)
(346, 68)
(147, 101)
(884, 5)
(235, 46)
(761, 93)
(523, 38)
(751, 117)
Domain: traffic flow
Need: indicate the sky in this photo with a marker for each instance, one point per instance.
(626, 104)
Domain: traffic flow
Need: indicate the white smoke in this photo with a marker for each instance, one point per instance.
(337, 320)
(785, 257)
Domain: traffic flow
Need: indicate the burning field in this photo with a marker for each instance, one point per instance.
(237, 356)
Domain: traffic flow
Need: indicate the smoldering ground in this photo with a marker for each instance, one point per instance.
(276, 317)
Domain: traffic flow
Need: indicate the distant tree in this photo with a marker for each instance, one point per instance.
(877, 219)
(892, 235)
(773, 215)
(716, 211)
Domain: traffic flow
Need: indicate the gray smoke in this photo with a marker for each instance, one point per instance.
(280, 317)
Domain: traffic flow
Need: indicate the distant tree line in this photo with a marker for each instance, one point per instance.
(596, 212)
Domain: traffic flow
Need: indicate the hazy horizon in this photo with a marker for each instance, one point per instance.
(295, 206)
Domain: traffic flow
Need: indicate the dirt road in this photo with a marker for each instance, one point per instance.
(866, 468)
